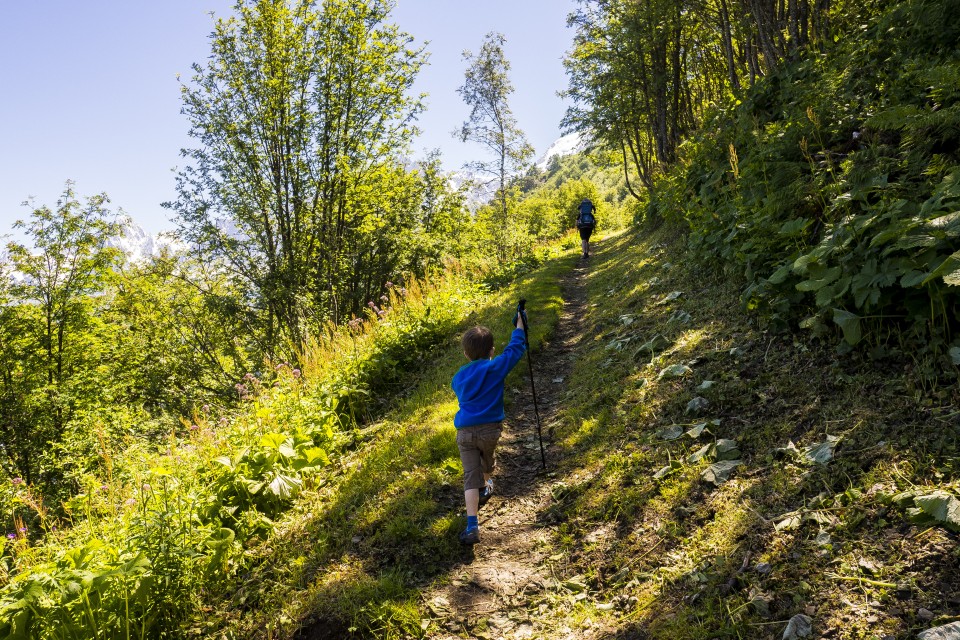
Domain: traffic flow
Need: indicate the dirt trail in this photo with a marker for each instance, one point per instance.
(491, 594)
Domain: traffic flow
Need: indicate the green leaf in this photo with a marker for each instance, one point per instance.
(780, 275)
(788, 521)
(670, 297)
(674, 371)
(850, 324)
(828, 276)
(949, 270)
(719, 472)
(822, 452)
(794, 227)
(697, 430)
(284, 486)
(913, 278)
(701, 453)
(273, 440)
(955, 355)
(654, 345)
(673, 467)
(671, 432)
(943, 507)
(727, 449)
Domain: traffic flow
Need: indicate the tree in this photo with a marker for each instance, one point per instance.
(486, 89)
(47, 325)
(302, 115)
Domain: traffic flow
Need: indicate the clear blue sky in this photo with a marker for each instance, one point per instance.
(91, 91)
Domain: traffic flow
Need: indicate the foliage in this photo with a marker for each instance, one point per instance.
(486, 89)
(155, 526)
(851, 214)
(302, 116)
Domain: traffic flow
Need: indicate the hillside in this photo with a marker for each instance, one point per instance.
(706, 478)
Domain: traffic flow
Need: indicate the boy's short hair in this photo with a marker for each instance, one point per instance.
(477, 343)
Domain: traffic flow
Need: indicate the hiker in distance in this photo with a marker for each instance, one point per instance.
(479, 421)
(586, 221)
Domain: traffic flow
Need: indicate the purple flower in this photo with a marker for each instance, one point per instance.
(103, 487)
(22, 529)
(296, 373)
(11, 535)
(381, 313)
(146, 487)
(194, 427)
(372, 304)
(205, 408)
(130, 502)
(17, 481)
(385, 298)
(389, 285)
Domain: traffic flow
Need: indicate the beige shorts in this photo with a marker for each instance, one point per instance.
(478, 444)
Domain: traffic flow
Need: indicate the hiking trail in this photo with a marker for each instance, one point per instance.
(497, 591)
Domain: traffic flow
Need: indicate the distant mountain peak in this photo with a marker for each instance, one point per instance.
(562, 146)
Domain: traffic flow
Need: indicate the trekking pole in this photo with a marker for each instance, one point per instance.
(521, 310)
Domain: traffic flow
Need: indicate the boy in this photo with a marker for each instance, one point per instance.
(479, 422)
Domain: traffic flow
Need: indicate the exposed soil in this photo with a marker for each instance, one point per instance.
(492, 594)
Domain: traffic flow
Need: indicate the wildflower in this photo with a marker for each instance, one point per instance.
(103, 487)
(249, 377)
(22, 529)
(194, 427)
(17, 481)
(205, 408)
(372, 304)
(296, 373)
(385, 298)
(403, 291)
(130, 502)
(146, 487)
(381, 313)
(11, 535)
(389, 285)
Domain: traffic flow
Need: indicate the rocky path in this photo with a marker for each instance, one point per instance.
(496, 592)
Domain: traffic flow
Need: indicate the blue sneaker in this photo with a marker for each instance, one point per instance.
(486, 493)
(470, 536)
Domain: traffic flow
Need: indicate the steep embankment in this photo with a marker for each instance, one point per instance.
(707, 478)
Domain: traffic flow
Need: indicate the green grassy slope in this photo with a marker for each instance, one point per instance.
(383, 521)
(643, 544)
(678, 557)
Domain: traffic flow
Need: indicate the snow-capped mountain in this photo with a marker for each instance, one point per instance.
(138, 245)
(563, 146)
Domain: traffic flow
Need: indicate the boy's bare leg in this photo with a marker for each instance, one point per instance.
(472, 498)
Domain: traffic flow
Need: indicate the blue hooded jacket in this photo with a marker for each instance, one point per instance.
(479, 385)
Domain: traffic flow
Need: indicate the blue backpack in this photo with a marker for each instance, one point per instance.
(586, 219)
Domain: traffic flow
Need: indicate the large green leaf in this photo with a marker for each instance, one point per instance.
(850, 324)
(942, 507)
